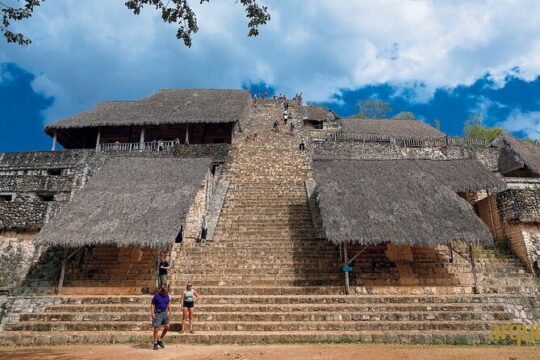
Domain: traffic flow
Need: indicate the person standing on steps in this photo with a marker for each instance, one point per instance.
(275, 127)
(302, 145)
(188, 302)
(293, 127)
(204, 229)
(163, 272)
(160, 311)
(285, 117)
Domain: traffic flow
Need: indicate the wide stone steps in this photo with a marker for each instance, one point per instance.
(318, 300)
(369, 325)
(303, 316)
(242, 337)
(282, 308)
(298, 267)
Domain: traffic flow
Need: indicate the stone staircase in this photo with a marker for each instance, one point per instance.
(265, 278)
(99, 270)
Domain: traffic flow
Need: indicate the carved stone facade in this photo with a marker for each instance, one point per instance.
(513, 215)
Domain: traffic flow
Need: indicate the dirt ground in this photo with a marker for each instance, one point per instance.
(271, 352)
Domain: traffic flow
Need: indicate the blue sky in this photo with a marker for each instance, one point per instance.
(438, 59)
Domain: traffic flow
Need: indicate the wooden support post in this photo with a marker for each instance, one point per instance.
(141, 140)
(62, 273)
(345, 260)
(63, 270)
(473, 267)
(98, 139)
(186, 140)
(451, 254)
(53, 147)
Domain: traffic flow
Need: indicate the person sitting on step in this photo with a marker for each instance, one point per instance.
(160, 311)
(188, 302)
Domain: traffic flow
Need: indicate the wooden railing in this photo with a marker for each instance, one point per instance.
(149, 146)
(400, 141)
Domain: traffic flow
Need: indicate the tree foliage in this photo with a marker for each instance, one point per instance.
(475, 129)
(405, 115)
(16, 13)
(172, 11)
(373, 109)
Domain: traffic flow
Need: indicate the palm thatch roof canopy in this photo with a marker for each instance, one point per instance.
(395, 128)
(320, 113)
(461, 175)
(130, 201)
(174, 106)
(517, 154)
(376, 201)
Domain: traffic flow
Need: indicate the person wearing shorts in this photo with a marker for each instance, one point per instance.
(160, 310)
(188, 302)
(163, 271)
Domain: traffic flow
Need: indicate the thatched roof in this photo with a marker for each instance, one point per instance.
(320, 113)
(174, 106)
(395, 128)
(462, 175)
(372, 202)
(130, 201)
(517, 154)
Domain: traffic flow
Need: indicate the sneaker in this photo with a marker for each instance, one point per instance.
(156, 347)
(160, 343)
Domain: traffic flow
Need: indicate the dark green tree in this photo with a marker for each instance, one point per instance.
(373, 109)
(172, 11)
(474, 129)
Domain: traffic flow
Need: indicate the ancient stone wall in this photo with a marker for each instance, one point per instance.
(489, 213)
(514, 215)
(519, 205)
(385, 151)
(218, 152)
(16, 256)
(33, 188)
(36, 184)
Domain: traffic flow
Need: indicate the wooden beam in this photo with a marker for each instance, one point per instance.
(141, 139)
(473, 266)
(358, 254)
(63, 270)
(98, 139)
(62, 274)
(347, 288)
(53, 147)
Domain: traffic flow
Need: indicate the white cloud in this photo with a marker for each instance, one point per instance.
(89, 50)
(527, 123)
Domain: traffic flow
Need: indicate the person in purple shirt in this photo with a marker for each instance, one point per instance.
(160, 310)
